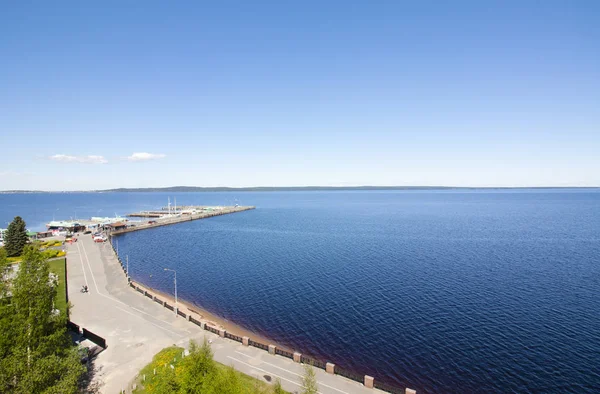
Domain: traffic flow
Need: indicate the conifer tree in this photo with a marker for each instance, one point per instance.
(16, 237)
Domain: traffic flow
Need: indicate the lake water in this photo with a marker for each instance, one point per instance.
(440, 291)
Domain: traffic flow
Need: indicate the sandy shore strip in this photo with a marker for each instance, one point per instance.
(209, 318)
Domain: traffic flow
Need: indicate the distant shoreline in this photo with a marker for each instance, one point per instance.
(195, 189)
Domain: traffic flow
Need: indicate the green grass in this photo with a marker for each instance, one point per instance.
(58, 267)
(172, 356)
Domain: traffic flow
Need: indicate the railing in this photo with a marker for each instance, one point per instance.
(169, 307)
(313, 362)
(386, 387)
(148, 295)
(196, 322)
(284, 353)
(211, 329)
(98, 340)
(233, 337)
(258, 345)
(139, 290)
(348, 374)
(180, 313)
(157, 300)
(73, 327)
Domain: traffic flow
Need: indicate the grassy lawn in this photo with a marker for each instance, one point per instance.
(58, 267)
(173, 356)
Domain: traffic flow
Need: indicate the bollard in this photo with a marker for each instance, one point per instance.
(297, 357)
(329, 368)
(369, 381)
(245, 341)
(188, 317)
(222, 333)
(410, 391)
(272, 349)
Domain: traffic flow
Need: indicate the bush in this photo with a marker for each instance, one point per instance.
(50, 253)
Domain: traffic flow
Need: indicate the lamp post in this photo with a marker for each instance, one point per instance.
(175, 282)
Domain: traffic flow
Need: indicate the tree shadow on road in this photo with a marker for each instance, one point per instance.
(89, 384)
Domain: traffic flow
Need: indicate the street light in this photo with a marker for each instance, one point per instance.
(175, 281)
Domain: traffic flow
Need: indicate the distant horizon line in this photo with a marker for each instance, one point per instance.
(286, 188)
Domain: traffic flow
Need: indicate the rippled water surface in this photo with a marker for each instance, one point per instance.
(441, 291)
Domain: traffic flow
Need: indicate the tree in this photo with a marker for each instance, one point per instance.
(166, 382)
(36, 355)
(223, 381)
(16, 237)
(198, 366)
(3, 274)
(309, 380)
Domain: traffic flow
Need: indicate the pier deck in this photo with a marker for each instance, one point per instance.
(162, 218)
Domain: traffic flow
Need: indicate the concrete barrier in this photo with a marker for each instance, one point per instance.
(369, 380)
(272, 349)
(245, 341)
(329, 368)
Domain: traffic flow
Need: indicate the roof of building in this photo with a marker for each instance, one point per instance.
(117, 224)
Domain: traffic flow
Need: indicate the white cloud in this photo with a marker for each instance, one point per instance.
(143, 156)
(91, 159)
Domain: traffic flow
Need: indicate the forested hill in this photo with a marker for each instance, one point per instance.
(269, 188)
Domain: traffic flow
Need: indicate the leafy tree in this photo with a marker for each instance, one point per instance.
(16, 237)
(36, 355)
(198, 366)
(3, 274)
(309, 380)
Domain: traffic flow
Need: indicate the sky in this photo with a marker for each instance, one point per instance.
(280, 93)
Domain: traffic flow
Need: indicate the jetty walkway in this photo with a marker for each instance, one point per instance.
(136, 328)
(173, 219)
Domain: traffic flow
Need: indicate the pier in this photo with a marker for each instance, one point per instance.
(166, 217)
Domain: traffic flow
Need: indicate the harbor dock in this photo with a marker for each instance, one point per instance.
(166, 217)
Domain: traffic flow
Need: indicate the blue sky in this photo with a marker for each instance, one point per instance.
(146, 94)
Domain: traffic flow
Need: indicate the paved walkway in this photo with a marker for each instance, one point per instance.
(136, 328)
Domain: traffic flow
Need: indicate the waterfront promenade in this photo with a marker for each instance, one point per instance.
(136, 328)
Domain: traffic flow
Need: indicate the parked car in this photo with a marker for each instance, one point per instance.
(87, 232)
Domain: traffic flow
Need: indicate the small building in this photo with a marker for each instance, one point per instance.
(64, 225)
(44, 234)
(116, 226)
